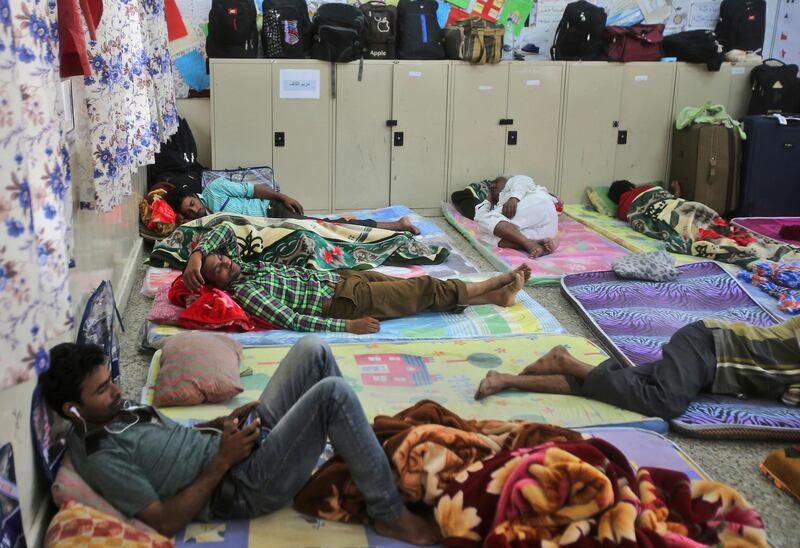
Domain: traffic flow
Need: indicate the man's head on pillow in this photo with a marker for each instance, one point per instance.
(185, 203)
(78, 384)
(496, 187)
(219, 270)
(618, 188)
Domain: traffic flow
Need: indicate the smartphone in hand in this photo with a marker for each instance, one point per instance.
(251, 417)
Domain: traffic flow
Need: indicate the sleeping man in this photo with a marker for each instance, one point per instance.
(519, 214)
(708, 356)
(257, 200)
(250, 463)
(302, 299)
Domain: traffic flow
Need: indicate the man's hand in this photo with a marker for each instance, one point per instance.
(363, 326)
(292, 204)
(237, 444)
(192, 278)
(240, 413)
(510, 207)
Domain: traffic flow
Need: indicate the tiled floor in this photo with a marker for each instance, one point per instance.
(735, 463)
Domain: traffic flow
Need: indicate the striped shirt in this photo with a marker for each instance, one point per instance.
(288, 297)
(758, 361)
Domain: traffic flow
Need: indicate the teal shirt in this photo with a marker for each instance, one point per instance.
(230, 197)
(144, 463)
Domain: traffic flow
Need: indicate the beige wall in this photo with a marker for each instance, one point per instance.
(107, 247)
(198, 115)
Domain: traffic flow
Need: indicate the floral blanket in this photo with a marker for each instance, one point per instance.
(427, 446)
(691, 228)
(781, 280)
(307, 243)
(585, 493)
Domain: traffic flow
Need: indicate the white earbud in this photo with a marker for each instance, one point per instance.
(78, 415)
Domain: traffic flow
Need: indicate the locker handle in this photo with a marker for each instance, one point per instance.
(280, 138)
(506, 121)
(391, 123)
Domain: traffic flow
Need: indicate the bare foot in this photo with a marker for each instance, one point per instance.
(675, 188)
(525, 270)
(558, 362)
(406, 225)
(410, 528)
(534, 249)
(507, 296)
(491, 384)
(549, 244)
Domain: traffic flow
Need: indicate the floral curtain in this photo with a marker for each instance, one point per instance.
(34, 181)
(129, 100)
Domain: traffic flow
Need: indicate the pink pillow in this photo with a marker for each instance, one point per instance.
(163, 311)
(198, 368)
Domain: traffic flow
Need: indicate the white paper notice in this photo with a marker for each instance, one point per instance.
(640, 78)
(703, 15)
(415, 74)
(485, 88)
(299, 84)
(737, 70)
(533, 83)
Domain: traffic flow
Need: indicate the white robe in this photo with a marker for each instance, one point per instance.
(536, 215)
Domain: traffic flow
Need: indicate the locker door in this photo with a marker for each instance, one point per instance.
(695, 85)
(363, 139)
(740, 90)
(590, 138)
(477, 142)
(241, 113)
(419, 104)
(301, 131)
(534, 104)
(646, 118)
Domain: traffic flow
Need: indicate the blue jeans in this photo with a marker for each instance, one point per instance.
(306, 402)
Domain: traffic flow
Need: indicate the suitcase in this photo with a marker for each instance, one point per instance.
(771, 167)
(705, 161)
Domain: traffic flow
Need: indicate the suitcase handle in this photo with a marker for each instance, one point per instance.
(780, 63)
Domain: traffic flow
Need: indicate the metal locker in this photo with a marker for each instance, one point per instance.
(478, 134)
(695, 84)
(241, 114)
(535, 92)
(419, 105)
(591, 123)
(301, 131)
(645, 121)
(363, 146)
(740, 88)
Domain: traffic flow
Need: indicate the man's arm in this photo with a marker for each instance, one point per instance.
(264, 192)
(169, 517)
(221, 239)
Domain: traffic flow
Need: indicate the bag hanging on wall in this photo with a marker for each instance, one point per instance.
(232, 30)
(694, 46)
(338, 31)
(177, 160)
(419, 33)
(286, 29)
(636, 43)
(741, 24)
(474, 40)
(380, 34)
(579, 35)
(775, 88)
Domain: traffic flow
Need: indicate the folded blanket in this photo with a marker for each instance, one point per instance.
(306, 243)
(428, 447)
(654, 266)
(780, 280)
(586, 493)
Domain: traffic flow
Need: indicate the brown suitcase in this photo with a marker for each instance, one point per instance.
(705, 161)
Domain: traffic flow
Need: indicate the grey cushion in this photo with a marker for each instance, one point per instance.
(655, 266)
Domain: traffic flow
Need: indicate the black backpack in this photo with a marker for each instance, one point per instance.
(286, 29)
(741, 24)
(338, 31)
(579, 35)
(420, 36)
(177, 160)
(232, 30)
(380, 31)
(775, 88)
(694, 46)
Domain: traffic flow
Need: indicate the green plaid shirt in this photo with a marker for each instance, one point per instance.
(284, 296)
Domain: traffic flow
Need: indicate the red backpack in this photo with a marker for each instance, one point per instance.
(636, 43)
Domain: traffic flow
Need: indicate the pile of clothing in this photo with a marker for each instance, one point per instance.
(781, 280)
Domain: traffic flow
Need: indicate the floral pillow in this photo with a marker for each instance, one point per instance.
(598, 197)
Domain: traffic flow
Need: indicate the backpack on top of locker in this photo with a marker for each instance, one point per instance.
(742, 24)
(579, 35)
(338, 33)
(380, 30)
(420, 36)
(232, 30)
(286, 29)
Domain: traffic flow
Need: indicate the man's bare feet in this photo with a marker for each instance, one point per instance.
(558, 361)
(549, 244)
(491, 384)
(410, 528)
(534, 249)
(507, 296)
(675, 188)
(403, 224)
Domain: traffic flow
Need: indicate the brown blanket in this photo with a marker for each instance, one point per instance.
(428, 446)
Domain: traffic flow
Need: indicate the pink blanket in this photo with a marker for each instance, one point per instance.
(769, 227)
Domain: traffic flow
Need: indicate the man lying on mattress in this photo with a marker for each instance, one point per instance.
(692, 228)
(519, 214)
(252, 462)
(257, 200)
(709, 356)
(302, 299)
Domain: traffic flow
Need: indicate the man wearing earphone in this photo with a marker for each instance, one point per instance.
(166, 474)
